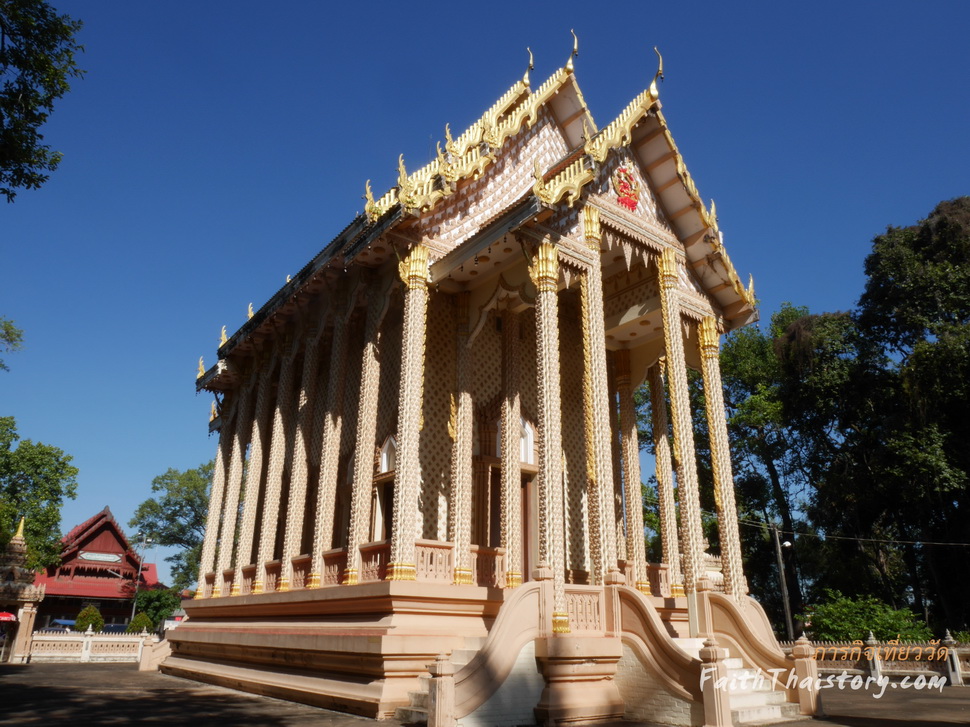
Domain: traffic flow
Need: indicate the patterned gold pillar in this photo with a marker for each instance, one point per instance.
(365, 443)
(727, 516)
(511, 452)
(234, 483)
(293, 535)
(670, 543)
(281, 435)
(252, 493)
(690, 506)
(460, 509)
(635, 548)
(329, 448)
(599, 456)
(407, 482)
(545, 274)
(210, 540)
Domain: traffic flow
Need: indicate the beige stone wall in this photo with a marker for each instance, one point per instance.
(647, 699)
(511, 704)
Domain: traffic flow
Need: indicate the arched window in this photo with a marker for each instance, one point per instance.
(389, 455)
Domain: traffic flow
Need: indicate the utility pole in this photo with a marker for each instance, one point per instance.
(784, 584)
(141, 562)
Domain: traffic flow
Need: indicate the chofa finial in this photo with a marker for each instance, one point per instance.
(569, 63)
(525, 78)
(249, 312)
(201, 372)
(222, 337)
(658, 75)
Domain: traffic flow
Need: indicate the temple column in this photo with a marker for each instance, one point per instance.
(332, 429)
(404, 529)
(631, 471)
(670, 543)
(365, 442)
(293, 535)
(690, 507)
(727, 516)
(259, 432)
(234, 483)
(511, 452)
(282, 426)
(211, 538)
(596, 399)
(460, 509)
(545, 275)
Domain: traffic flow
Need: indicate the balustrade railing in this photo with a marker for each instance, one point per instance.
(373, 561)
(433, 561)
(488, 566)
(334, 565)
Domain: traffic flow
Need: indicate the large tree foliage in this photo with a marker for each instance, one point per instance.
(840, 618)
(37, 49)
(177, 518)
(34, 480)
(157, 604)
(11, 339)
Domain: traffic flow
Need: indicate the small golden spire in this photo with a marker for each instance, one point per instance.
(659, 75)
(201, 369)
(222, 337)
(20, 529)
(249, 311)
(569, 63)
(525, 78)
(212, 412)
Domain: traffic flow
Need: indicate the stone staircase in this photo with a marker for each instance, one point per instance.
(753, 701)
(417, 710)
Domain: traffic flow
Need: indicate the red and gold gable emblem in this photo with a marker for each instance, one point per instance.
(626, 188)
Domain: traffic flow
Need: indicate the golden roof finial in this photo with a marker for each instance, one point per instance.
(249, 312)
(659, 74)
(20, 529)
(402, 172)
(201, 369)
(287, 278)
(222, 337)
(569, 63)
(713, 213)
(212, 412)
(525, 78)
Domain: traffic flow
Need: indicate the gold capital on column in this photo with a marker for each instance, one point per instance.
(560, 623)
(591, 227)
(545, 269)
(668, 268)
(708, 337)
(414, 268)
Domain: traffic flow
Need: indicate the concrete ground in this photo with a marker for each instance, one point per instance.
(118, 694)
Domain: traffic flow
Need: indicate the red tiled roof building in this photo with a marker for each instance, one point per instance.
(98, 566)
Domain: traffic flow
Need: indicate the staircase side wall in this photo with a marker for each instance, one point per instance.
(513, 702)
(646, 697)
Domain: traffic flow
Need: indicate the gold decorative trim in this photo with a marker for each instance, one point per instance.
(452, 417)
(644, 587)
(350, 577)
(619, 132)
(401, 572)
(591, 227)
(708, 337)
(463, 577)
(677, 590)
(283, 586)
(414, 268)
(567, 183)
(235, 590)
(545, 269)
(201, 371)
(668, 268)
(313, 580)
(222, 337)
(199, 595)
(560, 623)
(513, 579)
(216, 592)
(257, 588)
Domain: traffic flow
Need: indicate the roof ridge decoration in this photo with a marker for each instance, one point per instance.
(473, 151)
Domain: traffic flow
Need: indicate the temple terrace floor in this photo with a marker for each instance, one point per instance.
(118, 694)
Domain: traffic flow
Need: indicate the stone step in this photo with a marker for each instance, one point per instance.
(767, 714)
(411, 715)
(460, 657)
(418, 700)
(733, 662)
(740, 700)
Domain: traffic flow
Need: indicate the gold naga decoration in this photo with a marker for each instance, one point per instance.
(213, 413)
(414, 268)
(591, 227)
(249, 312)
(222, 337)
(201, 371)
(568, 183)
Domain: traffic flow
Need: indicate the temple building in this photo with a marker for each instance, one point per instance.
(428, 462)
(19, 598)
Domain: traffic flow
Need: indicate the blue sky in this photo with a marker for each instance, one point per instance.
(213, 148)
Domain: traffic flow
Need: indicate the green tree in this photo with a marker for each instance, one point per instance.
(34, 480)
(840, 618)
(157, 604)
(141, 622)
(37, 49)
(177, 518)
(89, 616)
(11, 339)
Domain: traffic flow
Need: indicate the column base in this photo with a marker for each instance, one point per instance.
(313, 580)
(579, 673)
(401, 572)
(677, 590)
(283, 585)
(513, 579)
(216, 592)
(257, 588)
(235, 590)
(560, 622)
(350, 577)
(463, 577)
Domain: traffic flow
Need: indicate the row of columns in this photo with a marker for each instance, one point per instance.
(281, 427)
